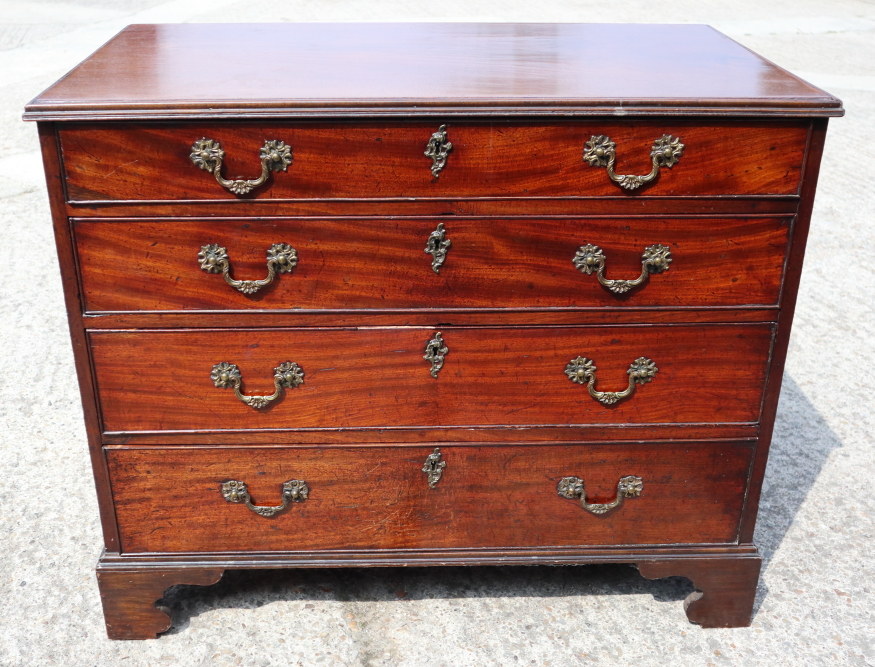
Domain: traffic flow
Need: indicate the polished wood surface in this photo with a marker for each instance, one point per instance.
(380, 160)
(153, 381)
(379, 263)
(420, 69)
(401, 436)
(725, 587)
(782, 338)
(725, 575)
(428, 317)
(620, 205)
(129, 598)
(358, 104)
(424, 557)
(169, 499)
(52, 163)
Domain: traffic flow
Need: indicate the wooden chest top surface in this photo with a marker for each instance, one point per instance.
(287, 70)
(496, 263)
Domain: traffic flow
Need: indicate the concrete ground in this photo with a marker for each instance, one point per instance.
(817, 520)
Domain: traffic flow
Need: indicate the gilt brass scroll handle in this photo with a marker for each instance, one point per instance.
(582, 371)
(208, 155)
(281, 258)
(589, 258)
(572, 487)
(294, 491)
(600, 151)
(285, 376)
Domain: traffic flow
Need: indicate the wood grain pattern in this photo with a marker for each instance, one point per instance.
(726, 587)
(129, 598)
(413, 69)
(576, 555)
(430, 317)
(520, 101)
(70, 283)
(379, 263)
(782, 339)
(642, 204)
(377, 377)
(459, 435)
(491, 159)
(169, 499)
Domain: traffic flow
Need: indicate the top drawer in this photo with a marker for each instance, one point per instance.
(118, 162)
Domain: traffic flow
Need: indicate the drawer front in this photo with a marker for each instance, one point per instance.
(500, 159)
(381, 263)
(376, 377)
(170, 499)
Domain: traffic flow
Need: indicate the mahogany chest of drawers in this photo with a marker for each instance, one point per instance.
(429, 294)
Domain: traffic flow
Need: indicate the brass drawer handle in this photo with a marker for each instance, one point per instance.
(281, 258)
(287, 375)
(438, 148)
(589, 258)
(208, 155)
(295, 491)
(600, 151)
(572, 487)
(582, 371)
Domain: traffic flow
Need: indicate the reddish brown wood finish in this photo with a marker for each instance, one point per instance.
(459, 435)
(782, 341)
(496, 159)
(424, 557)
(641, 204)
(726, 587)
(170, 500)
(215, 70)
(519, 102)
(129, 598)
(69, 281)
(727, 574)
(224, 319)
(377, 377)
(378, 263)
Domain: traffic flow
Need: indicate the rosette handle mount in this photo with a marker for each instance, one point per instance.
(208, 155)
(582, 371)
(285, 376)
(590, 258)
(600, 151)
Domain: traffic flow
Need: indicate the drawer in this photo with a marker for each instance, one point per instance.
(377, 377)
(170, 499)
(119, 162)
(377, 263)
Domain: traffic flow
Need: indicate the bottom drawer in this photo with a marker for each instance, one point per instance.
(171, 499)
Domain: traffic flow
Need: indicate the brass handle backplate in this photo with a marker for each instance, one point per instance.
(572, 487)
(208, 155)
(600, 151)
(438, 148)
(582, 371)
(589, 258)
(281, 258)
(295, 491)
(285, 376)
